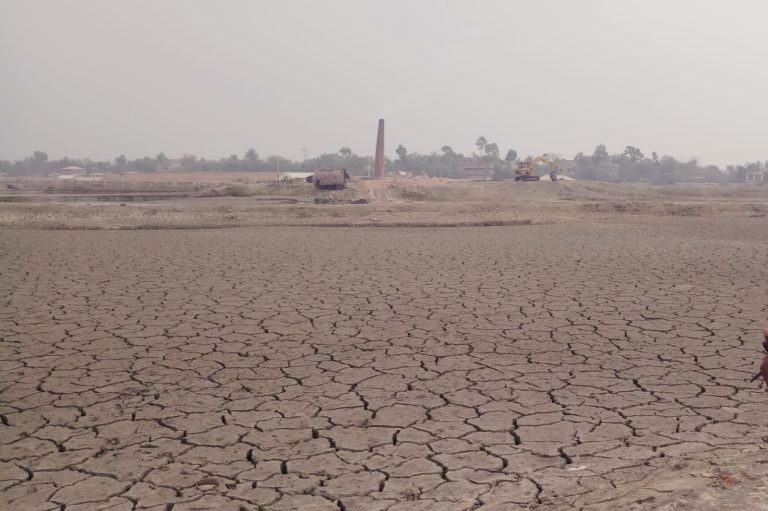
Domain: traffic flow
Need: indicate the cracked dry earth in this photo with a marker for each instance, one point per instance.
(501, 368)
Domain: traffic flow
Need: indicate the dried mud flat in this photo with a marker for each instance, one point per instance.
(585, 365)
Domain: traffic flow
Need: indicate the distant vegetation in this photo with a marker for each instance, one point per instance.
(631, 165)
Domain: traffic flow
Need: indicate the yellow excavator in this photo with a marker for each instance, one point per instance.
(525, 169)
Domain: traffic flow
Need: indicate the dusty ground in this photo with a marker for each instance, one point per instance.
(408, 202)
(588, 363)
(194, 177)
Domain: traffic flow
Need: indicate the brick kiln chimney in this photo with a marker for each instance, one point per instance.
(378, 164)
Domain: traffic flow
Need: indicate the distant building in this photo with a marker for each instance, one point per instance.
(757, 177)
(293, 177)
(566, 168)
(170, 165)
(73, 171)
(78, 177)
(474, 168)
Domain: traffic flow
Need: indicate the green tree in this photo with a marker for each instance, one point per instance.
(161, 158)
(251, 155)
(402, 154)
(492, 150)
(633, 153)
(120, 162)
(481, 143)
(231, 164)
(511, 156)
(346, 152)
(189, 162)
(447, 161)
(145, 164)
(600, 154)
(40, 156)
(278, 162)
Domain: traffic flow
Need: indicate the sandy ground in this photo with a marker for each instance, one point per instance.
(597, 357)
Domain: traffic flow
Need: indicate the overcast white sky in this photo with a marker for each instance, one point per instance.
(98, 78)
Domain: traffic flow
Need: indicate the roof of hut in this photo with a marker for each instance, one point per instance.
(331, 177)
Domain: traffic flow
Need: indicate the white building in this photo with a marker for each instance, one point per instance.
(757, 176)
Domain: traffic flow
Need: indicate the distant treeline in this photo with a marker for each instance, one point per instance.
(631, 165)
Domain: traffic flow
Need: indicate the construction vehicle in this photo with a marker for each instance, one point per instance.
(525, 170)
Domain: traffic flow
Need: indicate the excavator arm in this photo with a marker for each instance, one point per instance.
(526, 169)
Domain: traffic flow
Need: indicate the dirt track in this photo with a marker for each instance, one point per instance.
(565, 366)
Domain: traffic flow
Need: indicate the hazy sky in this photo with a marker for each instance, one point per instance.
(98, 78)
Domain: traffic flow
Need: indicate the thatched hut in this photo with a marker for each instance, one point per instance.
(331, 179)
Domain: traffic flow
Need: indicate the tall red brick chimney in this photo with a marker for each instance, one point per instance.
(378, 163)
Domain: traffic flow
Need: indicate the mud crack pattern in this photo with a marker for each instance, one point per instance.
(373, 369)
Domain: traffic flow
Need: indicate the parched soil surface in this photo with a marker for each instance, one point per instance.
(584, 365)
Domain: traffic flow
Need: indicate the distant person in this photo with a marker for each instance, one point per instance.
(553, 175)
